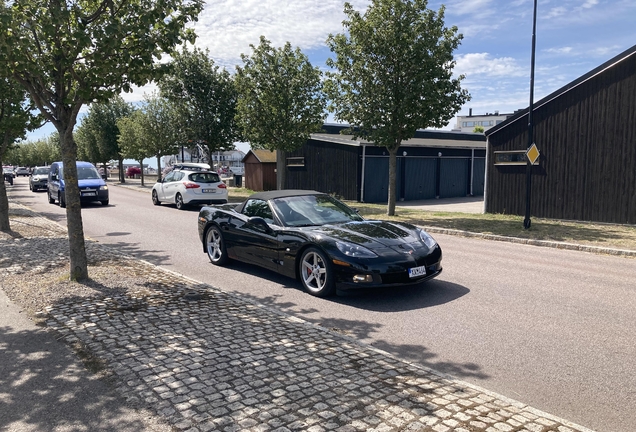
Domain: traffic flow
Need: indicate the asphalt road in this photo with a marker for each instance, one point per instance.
(552, 328)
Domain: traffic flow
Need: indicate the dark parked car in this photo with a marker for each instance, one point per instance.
(8, 174)
(321, 241)
(22, 171)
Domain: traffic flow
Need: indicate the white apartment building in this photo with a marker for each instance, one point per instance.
(488, 120)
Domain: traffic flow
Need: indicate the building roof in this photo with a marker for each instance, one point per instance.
(422, 138)
(263, 156)
(566, 88)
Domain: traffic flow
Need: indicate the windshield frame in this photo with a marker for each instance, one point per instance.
(313, 210)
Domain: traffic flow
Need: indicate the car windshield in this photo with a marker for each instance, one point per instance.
(40, 171)
(310, 210)
(87, 173)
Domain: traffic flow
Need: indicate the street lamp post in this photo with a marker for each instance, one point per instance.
(527, 222)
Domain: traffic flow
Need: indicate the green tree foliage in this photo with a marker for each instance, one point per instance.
(132, 138)
(281, 102)
(35, 153)
(97, 135)
(67, 54)
(15, 120)
(162, 135)
(393, 74)
(205, 98)
(478, 129)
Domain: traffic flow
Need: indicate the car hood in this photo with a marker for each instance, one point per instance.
(370, 233)
(88, 183)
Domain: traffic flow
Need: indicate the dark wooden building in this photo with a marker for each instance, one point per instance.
(586, 133)
(433, 164)
(260, 170)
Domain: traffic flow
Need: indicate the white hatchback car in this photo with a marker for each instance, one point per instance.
(185, 186)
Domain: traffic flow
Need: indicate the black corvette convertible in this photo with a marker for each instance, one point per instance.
(321, 241)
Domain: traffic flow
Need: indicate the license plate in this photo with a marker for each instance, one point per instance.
(89, 194)
(417, 271)
(209, 190)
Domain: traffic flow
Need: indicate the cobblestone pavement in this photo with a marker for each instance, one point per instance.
(207, 360)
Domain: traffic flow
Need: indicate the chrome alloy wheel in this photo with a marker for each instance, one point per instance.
(215, 246)
(315, 273)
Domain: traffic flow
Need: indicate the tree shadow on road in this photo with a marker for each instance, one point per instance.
(45, 388)
(420, 296)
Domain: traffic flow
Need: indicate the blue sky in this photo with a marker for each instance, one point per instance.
(573, 37)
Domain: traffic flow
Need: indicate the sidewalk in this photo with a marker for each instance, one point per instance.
(201, 359)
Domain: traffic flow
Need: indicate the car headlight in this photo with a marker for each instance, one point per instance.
(354, 250)
(103, 187)
(427, 239)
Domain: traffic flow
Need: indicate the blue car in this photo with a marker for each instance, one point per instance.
(91, 185)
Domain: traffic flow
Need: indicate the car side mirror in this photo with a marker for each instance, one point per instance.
(259, 222)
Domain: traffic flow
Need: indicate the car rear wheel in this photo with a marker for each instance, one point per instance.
(155, 198)
(178, 200)
(215, 246)
(316, 273)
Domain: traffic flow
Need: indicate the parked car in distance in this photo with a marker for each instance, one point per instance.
(22, 171)
(314, 237)
(8, 174)
(91, 185)
(189, 185)
(39, 178)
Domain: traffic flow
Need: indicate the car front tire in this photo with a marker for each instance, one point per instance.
(316, 273)
(155, 198)
(215, 246)
(51, 199)
(61, 200)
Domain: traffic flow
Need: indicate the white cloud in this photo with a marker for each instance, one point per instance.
(138, 93)
(562, 50)
(483, 64)
(556, 12)
(228, 27)
(589, 3)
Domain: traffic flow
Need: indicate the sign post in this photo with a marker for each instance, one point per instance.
(531, 145)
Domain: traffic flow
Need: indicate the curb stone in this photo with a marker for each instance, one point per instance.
(533, 242)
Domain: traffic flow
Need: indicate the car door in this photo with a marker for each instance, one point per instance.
(254, 243)
(54, 181)
(174, 186)
(168, 186)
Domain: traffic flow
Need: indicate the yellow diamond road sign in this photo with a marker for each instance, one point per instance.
(533, 154)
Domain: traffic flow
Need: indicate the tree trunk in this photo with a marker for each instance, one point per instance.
(158, 167)
(78, 259)
(141, 165)
(122, 174)
(4, 200)
(280, 169)
(4, 204)
(392, 180)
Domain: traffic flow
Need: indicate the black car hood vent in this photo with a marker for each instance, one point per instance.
(370, 232)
